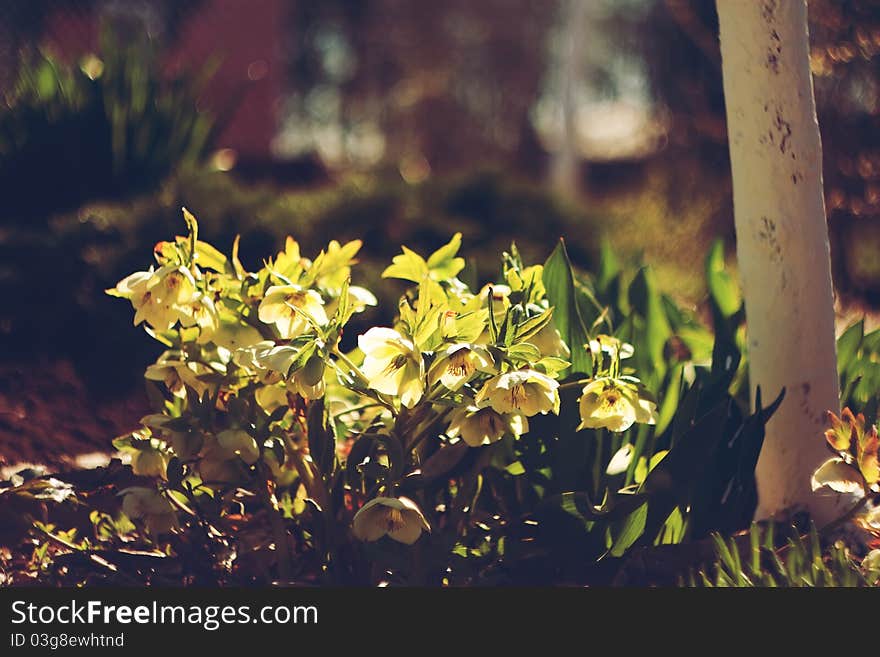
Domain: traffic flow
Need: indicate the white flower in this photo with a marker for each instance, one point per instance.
(175, 371)
(393, 365)
(614, 404)
(240, 443)
(483, 426)
(398, 517)
(201, 312)
(285, 305)
(151, 506)
(458, 365)
(160, 298)
(550, 343)
(610, 345)
(148, 462)
(520, 391)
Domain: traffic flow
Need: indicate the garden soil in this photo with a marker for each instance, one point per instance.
(49, 417)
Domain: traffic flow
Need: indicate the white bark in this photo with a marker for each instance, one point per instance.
(782, 242)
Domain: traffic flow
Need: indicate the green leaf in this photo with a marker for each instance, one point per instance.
(46, 80)
(409, 266)
(647, 301)
(722, 287)
(533, 325)
(848, 345)
(646, 465)
(524, 351)
(609, 268)
(631, 529)
(209, 257)
(443, 263)
(192, 227)
(322, 441)
(559, 282)
(670, 399)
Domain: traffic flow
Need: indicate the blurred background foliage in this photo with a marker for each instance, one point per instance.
(393, 121)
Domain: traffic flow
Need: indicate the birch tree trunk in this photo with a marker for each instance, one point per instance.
(782, 242)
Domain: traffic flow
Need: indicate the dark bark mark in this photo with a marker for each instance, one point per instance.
(807, 408)
(768, 10)
(774, 50)
(783, 127)
(767, 236)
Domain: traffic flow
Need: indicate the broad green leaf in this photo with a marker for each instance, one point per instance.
(670, 399)
(533, 325)
(524, 351)
(848, 345)
(630, 531)
(647, 301)
(722, 287)
(409, 266)
(559, 282)
(443, 263)
(208, 257)
(609, 268)
(645, 465)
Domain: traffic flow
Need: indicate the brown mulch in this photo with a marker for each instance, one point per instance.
(49, 416)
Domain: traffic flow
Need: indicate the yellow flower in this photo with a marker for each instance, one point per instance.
(393, 365)
(521, 391)
(284, 306)
(398, 517)
(614, 404)
(483, 426)
(161, 297)
(458, 365)
(150, 505)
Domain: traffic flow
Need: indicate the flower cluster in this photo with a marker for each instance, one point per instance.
(254, 383)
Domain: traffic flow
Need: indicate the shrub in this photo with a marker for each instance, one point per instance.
(114, 125)
(493, 433)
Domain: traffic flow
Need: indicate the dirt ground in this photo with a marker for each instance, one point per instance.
(48, 416)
